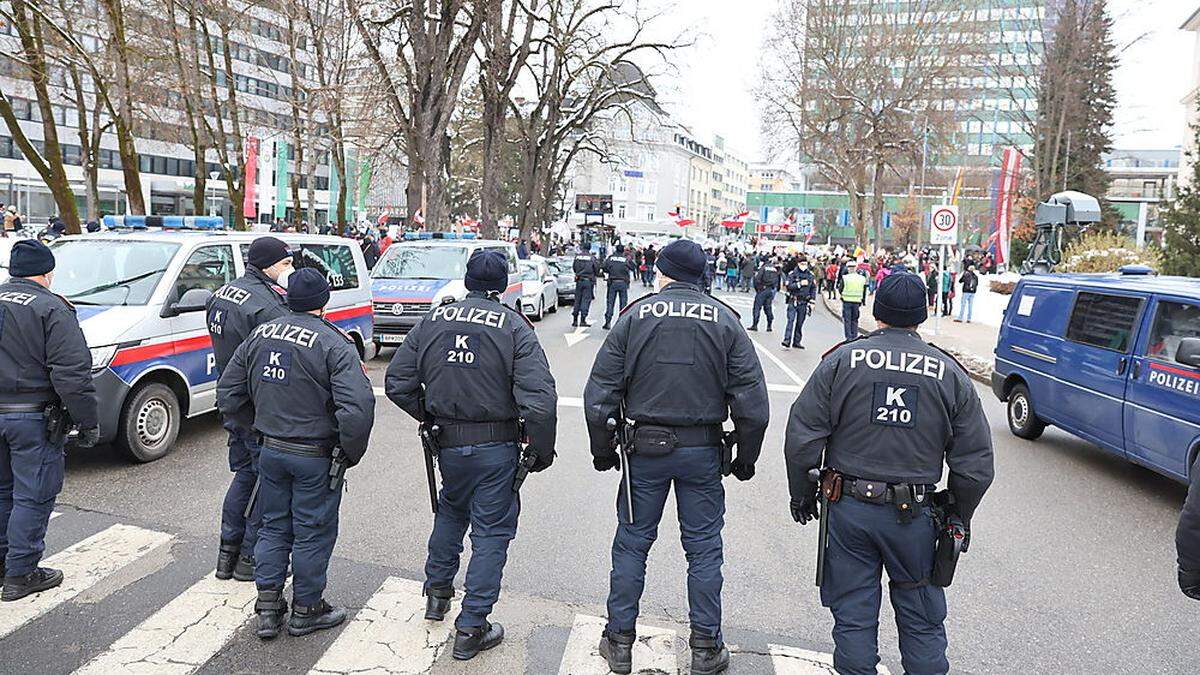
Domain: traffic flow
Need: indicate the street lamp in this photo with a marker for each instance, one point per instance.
(214, 175)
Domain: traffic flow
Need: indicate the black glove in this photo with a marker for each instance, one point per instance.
(741, 470)
(88, 438)
(804, 510)
(542, 462)
(604, 462)
(1189, 583)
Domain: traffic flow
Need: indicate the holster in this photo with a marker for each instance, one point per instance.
(951, 536)
(831, 485)
(654, 441)
(58, 423)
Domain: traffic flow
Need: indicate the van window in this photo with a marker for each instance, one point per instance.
(335, 261)
(208, 267)
(1173, 322)
(1104, 321)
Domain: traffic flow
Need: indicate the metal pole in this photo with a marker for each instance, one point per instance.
(924, 160)
(937, 321)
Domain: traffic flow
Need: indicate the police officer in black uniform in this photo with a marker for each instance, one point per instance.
(45, 366)
(234, 312)
(586, 268)
(766, 285)
(618, 269)
(482, 375)
(677, 363)
(921, 409)
(1187, 538)
(298, 383)
(801, 288)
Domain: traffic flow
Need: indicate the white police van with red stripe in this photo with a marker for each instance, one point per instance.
(152, 358)
(416, 274)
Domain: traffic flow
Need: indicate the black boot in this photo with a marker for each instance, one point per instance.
(437, 602)
(752, 328)
(41, 579)
(468, 642)
(605, 326)
(584, 323)
(617, 649)
(709, 655)
(244, 570)
(227, 559)
(317, 617)
(575, 321)
(271, 608)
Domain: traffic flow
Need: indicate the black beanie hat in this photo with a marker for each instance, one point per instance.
(682, 260)
(487, 271)
(266, 251)
(307, 290)
(620, 248)
(901, 300)
(30, 258)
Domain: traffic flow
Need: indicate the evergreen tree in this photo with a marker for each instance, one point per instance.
(1181, 219)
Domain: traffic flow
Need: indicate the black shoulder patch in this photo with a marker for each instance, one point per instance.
(70, 305)
(518, 313)
(953, 359)
(341, 332)
(843, 342)
(722, 303)
(635, 301)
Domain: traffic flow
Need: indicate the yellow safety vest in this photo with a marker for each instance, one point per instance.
(854, 287)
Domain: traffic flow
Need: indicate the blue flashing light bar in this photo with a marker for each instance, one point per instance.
(165, 222)
(424, 236)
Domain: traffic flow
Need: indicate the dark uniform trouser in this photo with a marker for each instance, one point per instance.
(797, 312)
(300, 519)
(850, 311)
(617, 291)
(863, 539)
(243, 462)
(584, 289)
(700, 504)
(477, 482)
(764, 301)
(31, 476)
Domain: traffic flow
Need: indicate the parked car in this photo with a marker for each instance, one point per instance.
(539, 288)
(1110, 358)
(564, 273)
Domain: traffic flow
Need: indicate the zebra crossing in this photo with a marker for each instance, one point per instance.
(203, 621)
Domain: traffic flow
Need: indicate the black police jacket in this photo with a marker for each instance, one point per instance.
(801, 285)
(585, 267)
(891, 407)
(1187, 534)
(43, 354)
(240, 306)
(619, 269)
(298, 378)
(767, 277)
(477, 361)
(678, 358)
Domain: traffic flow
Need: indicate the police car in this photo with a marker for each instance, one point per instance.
(140, 295)
(1113, 359)
(414, 275)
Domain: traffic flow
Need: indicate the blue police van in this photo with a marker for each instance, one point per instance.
(1110, 358)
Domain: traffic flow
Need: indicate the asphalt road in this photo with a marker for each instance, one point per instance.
(1071, 568)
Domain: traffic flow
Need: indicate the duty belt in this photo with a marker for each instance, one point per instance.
(294, 448)
(882, 492)
(458, 434)
(689, 437)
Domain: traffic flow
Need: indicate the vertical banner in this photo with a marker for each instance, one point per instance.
(250, 180)
(333, 189)
(1006, 192)
(351, 185)
(281, 179)
(364, 185)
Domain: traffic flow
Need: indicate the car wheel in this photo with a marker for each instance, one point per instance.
(1023, 421)
(554, 305)
(541, 310)
(149, 423)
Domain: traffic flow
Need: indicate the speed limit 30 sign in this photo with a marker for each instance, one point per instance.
(943, 224)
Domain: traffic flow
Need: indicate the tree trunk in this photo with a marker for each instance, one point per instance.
(489, 189)
(124, 119)
(339, 166)
(200, 184)
(877, 206)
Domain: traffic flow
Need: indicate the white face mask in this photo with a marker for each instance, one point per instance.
(283, 277)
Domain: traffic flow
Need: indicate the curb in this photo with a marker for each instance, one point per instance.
(966, 360)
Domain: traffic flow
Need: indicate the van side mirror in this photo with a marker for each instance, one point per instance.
(1188, 352)
(193, 300)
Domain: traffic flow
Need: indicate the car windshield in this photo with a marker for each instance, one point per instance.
(404, 261)
(109, 271)
(560, 266)
(529, 273)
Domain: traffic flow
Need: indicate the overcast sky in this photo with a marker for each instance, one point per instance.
(712, 93)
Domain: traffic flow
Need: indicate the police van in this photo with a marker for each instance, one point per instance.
(1110, 358)
(140, 292)
(413, 275)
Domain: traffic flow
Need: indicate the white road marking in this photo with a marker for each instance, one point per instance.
(654, 651)
(795, 661)
(182, 636)
(785, 388)
(570, 401)
(575, 337)
(389, 635)
(54, 514)
(83, 565)
(779, 362)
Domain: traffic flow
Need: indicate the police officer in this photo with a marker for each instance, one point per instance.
(297, 382)
(1187, 539)
(853, 287)
(474, 369)
(44, 361)
(801, 289)
(586, 270)
(922, 410)
(234, 312)
(618, 269)
(766, 284)
(677, 363)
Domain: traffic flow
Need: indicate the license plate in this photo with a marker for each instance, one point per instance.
(391, 339)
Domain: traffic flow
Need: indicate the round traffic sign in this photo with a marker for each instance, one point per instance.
(945, 220)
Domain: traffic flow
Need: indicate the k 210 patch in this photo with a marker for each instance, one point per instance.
(895, 405)
(275, 366)
(460, 348)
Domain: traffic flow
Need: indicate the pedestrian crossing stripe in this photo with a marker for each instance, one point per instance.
(54, 514)
(83, 566)
(653, 652)
(795, 661)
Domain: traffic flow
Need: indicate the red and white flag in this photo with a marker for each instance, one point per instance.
(736, 222)
(1008, 185)
(418, 218)
(679, 219)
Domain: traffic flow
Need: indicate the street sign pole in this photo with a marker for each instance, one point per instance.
(937, 321)
(943, 231)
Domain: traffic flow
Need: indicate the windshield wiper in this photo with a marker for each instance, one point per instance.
(115, 284)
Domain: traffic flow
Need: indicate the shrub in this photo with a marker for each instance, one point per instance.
(1002, 287)
(1107, 252)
